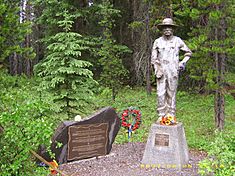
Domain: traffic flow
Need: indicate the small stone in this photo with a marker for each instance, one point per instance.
(77, 118)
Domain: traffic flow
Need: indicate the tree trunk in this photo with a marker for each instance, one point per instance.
(27, 43)
(148, 53)
(169, 11)
(219, 94)
(114, 93)
(20, 64)
(13, 64)
(220, 34)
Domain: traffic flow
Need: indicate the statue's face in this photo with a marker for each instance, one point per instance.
(167, 31)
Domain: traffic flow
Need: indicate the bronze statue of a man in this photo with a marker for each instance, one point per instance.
(165, 59)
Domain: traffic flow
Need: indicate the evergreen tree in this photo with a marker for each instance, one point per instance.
(212, 39)
(65, 74)
(113, 72)
(12, 34)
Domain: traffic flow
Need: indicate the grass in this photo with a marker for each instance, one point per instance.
(196, 112)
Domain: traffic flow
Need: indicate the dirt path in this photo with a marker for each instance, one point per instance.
(125, 160)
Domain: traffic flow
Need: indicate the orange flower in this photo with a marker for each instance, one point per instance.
(55, 164)
(168, 120)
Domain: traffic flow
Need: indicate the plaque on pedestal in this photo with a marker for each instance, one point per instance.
(166, 146)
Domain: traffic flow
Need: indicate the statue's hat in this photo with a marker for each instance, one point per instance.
(167, 22)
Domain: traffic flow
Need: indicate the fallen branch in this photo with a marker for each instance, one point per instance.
(47, 163)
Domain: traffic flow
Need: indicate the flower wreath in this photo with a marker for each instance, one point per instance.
(131, 119)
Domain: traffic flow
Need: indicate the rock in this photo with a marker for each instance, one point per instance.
(77, 118)
(87, 138)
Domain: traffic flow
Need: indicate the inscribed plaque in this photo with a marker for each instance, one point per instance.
(87, 141)
(161, 139)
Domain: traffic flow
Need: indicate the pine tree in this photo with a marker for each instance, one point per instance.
(113, 72)
(64, 72)
(212, 39)
(12, 35)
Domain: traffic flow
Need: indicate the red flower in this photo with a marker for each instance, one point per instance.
(124, 124)
(125, 114)
(131, 114)
(54, 164)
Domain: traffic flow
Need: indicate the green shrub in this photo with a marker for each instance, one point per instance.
(221, 156)
(26, 126)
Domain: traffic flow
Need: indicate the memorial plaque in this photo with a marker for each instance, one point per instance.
(99, 130)
(161, 139)
(87, 141)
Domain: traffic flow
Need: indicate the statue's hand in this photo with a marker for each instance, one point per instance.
(182, 66)
(159, 74)
(158, 71)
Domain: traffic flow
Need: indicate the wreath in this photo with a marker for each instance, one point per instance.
(131, 119)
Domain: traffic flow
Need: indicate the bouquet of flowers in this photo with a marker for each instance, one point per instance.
(168, 120)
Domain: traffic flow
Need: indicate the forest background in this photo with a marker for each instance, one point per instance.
(60, 58)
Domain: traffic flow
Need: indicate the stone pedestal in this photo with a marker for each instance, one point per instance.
(166, 147)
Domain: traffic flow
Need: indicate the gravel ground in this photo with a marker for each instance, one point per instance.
(126, 160)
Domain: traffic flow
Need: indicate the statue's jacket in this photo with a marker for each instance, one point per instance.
(165, 55)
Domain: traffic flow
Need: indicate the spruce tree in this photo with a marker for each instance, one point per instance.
(113, 72)
(64, 72)
(212, 39)
(12, 34)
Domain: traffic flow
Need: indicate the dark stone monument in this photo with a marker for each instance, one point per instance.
(87, 138)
